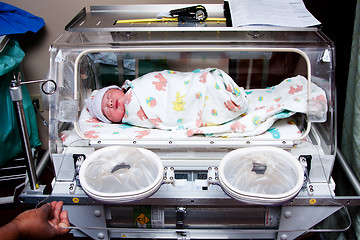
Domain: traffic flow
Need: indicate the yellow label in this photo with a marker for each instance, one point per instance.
(76, 200)
(312, 201)
(142, 219)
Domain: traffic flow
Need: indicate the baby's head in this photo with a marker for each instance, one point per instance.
(107, 104)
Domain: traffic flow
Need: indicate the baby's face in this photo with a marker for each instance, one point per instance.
(112, 105)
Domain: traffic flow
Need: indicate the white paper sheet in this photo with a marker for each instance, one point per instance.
(285, 13)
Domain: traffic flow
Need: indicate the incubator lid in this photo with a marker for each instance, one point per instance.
(146, 18)
(93, 27)
(153, 17)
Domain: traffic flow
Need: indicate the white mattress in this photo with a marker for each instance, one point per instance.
(93, 129)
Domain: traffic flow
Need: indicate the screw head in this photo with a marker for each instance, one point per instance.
(97, 213)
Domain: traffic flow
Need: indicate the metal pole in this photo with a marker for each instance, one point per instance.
(16, 97)
(348, 171)
(42, 164)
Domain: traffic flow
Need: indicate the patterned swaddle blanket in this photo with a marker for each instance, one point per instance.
(171, 100)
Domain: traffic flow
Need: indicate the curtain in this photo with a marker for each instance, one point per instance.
(350, 146)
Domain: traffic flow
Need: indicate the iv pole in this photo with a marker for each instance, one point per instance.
(16, 97)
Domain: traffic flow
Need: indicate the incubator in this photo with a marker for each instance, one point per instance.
(125, 181)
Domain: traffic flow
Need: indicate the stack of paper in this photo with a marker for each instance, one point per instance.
(284, 13)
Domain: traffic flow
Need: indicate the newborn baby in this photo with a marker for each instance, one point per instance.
(171, 100)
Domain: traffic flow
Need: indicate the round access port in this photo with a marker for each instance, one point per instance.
(118, 174)
(261, 175)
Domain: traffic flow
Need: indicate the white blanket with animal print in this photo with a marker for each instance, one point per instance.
(171, 100)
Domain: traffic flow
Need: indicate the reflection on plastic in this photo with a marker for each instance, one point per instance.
(68, 111)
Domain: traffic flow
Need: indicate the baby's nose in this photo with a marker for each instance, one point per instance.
(110, 103)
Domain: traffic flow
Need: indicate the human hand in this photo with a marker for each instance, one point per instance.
(45, 222)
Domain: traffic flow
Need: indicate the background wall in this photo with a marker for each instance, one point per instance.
(337, 20)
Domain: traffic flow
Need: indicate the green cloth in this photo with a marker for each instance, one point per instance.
(350, 146)
(10, 139)
(10, 57)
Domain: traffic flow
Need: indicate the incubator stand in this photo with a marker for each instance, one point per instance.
(191, 196)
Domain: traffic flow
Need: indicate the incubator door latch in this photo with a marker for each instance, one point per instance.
(213, 175)
(169, 177)
(78, 160)
(305, 161)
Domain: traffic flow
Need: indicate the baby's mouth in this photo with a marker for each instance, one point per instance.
(116, 104)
